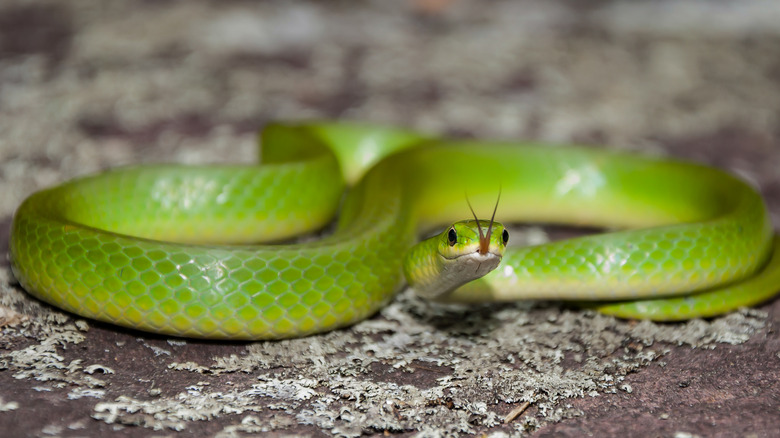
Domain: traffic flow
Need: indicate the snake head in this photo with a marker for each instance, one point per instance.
(470, 249)
(463, 252)
(471, 238)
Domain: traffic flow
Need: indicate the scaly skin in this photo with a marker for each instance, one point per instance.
(157, 248)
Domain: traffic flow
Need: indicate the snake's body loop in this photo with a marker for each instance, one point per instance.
(160, 248)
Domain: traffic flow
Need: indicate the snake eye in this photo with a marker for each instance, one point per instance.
(452, 237)
(505, 237)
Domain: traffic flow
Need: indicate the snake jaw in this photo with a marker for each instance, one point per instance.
(457, 272)
(474, 265)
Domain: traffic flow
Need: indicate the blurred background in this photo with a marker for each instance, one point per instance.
(87, 85)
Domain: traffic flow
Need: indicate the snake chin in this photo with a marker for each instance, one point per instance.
(457, 272)
(475, 265)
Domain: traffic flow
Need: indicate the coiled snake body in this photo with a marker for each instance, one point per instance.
(163, 248)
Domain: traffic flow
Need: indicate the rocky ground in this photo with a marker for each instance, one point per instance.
(87, 85)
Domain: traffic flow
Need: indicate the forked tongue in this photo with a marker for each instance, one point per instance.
(484, 238)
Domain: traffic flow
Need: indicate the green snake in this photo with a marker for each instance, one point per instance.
(211, 252)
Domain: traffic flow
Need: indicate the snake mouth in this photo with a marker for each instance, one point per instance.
(485, 257)
(478, 263)
(476, 254)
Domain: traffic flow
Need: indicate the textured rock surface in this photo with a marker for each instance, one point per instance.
(86, 85)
